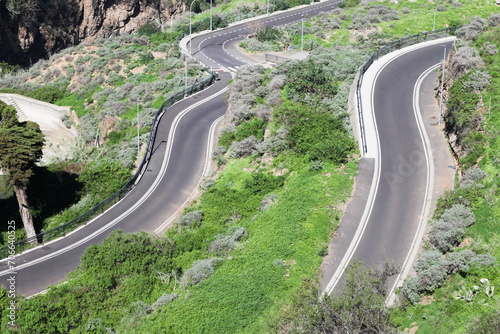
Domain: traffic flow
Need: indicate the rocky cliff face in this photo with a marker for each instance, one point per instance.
(33, 29)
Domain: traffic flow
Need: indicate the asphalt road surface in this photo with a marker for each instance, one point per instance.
(171, 176)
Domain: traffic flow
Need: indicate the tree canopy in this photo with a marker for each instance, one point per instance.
(20, 148)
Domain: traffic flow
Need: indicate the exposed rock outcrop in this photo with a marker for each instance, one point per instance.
(33, 29)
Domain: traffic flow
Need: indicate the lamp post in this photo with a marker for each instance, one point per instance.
(186, 77)
(442, 86)
(190, 21)
(434, 26)
(267, 7)
(138, 139)
(211, 15)
(454, 174)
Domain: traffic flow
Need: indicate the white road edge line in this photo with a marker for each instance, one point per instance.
(347, 257)
(136, 205)
(208, 157)
(206, 170)
(422, 224)
(97, 217)
(369, 204)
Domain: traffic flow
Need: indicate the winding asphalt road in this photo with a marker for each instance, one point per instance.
(175, 169)
(179, 160)
(391, 212)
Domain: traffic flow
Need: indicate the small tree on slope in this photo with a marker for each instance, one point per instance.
(20, 148)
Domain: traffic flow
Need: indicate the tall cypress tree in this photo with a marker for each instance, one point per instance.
(20, 148)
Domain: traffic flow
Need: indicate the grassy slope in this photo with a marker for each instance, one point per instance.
(246, 288)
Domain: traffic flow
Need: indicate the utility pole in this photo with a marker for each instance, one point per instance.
(138, 139)
(190, 21)
(434, 26)
(186, 77)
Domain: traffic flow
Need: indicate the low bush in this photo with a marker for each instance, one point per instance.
(193, 218)
(224, 243)
(200, 271)
(253, 127)
(444, 235)
(48, 94)
(164, 299)
(243, 148)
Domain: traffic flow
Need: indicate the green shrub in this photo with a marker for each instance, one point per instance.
(200, 271)
(349, 3)
(267, 34)
(149, 28)
(103, 179)
(487, 323)
(115, 137)
(462, 111)
(315, 133)
(263, 183)
(309, 77)
(253, 127)
(48, 94)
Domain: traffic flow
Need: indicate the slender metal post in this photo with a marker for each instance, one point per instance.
(190, 21)
(186, 78)
(434, 26)
(442, 87)
(211, 15)
(267, 7)
(302, 38)
(138, 140)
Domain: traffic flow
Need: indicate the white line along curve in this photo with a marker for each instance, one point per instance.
(422, 224)
(374, 152)
(157, 181)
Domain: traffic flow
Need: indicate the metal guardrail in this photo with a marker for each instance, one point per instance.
(61, 230)
(274, 58)
(399, 44)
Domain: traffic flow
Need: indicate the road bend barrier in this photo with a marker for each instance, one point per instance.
(274, 58)
(83, 219)
(399, 44)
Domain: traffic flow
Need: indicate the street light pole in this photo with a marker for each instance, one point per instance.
(138, 140)
(442, 87)
(210, 15)
(267, 7)
(454, 174)
(434, 26)
(190, 11)
(186, 77)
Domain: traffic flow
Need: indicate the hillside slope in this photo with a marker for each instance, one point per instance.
(30, 30)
